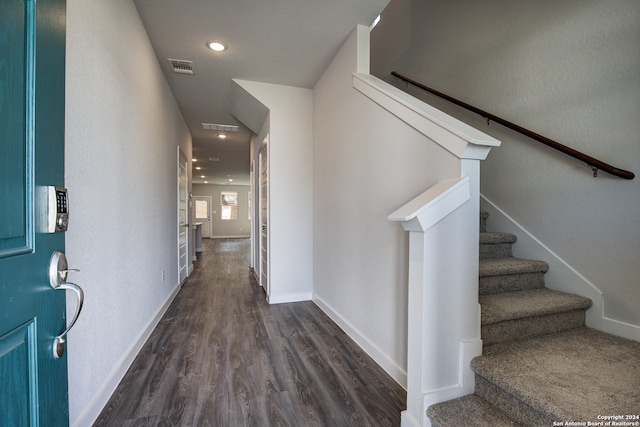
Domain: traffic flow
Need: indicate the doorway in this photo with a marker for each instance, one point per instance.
(202, 207)
(264, 215)
(183, 217)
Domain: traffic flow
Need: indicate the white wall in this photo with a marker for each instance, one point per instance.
(566, 69)
(226, 228)
(289, 125)
(366, 165)
(122, 129)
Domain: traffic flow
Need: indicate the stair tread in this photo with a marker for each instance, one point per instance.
(528, 303)
(496, 237)
(468, 411)
(505, 266)
(572, 375)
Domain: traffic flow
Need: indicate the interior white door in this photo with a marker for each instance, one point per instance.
(203, 214)
(264, 216)
(183, 217)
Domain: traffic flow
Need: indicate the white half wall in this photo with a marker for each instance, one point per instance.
(122, 129)
(366, 164)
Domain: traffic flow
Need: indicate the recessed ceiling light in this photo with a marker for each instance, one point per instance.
(202, 176)
(198, 168)
(222, 136)
(194, 160)
(216, 45)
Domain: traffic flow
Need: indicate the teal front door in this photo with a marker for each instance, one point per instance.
(33, 382)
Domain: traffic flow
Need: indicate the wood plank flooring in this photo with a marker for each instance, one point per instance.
(221, 356)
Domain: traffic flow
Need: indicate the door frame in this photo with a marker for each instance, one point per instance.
(252, 218)
(183, 201)
(263, 238)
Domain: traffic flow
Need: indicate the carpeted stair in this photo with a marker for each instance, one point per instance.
(540, 364)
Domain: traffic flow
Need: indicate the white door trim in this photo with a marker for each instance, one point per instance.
(183, 232)
(263, 223)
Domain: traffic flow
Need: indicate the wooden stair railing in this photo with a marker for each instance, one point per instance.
(595, 164)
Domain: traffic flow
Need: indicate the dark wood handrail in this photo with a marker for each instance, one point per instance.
(595, 164)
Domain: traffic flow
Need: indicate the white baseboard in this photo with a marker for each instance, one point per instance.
(561, 276)
(390, 366)
(406, 420)
(469, 349)
(100, 400)
(284, 298)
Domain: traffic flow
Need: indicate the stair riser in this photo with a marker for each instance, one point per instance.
(510, 405)
(510, 283)
(531, 326)
(495, 251)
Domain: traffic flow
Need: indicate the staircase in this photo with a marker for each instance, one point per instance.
(540, 365)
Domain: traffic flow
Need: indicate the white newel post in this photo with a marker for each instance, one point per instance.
(443, 309)
(443, 329)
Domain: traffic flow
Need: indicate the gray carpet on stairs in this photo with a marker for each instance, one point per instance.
(540, 365)
(536, 302)
(458, 415)
(575, 375)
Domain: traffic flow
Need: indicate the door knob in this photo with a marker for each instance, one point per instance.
(58, 271)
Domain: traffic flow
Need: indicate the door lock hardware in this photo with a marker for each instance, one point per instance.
(58, 271)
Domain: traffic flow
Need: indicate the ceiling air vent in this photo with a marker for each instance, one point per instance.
(219, 128)
(181, 66)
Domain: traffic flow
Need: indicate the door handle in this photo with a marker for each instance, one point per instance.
(58, 271)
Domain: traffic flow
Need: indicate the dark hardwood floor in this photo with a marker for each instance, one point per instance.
(221, 356)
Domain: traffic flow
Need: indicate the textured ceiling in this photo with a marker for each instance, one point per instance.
(288, 42)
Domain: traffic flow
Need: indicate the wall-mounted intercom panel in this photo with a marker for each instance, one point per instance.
(56, 209)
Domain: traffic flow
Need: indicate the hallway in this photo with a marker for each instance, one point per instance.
(221, 356)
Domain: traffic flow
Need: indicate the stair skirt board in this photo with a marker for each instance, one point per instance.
(561, 276)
